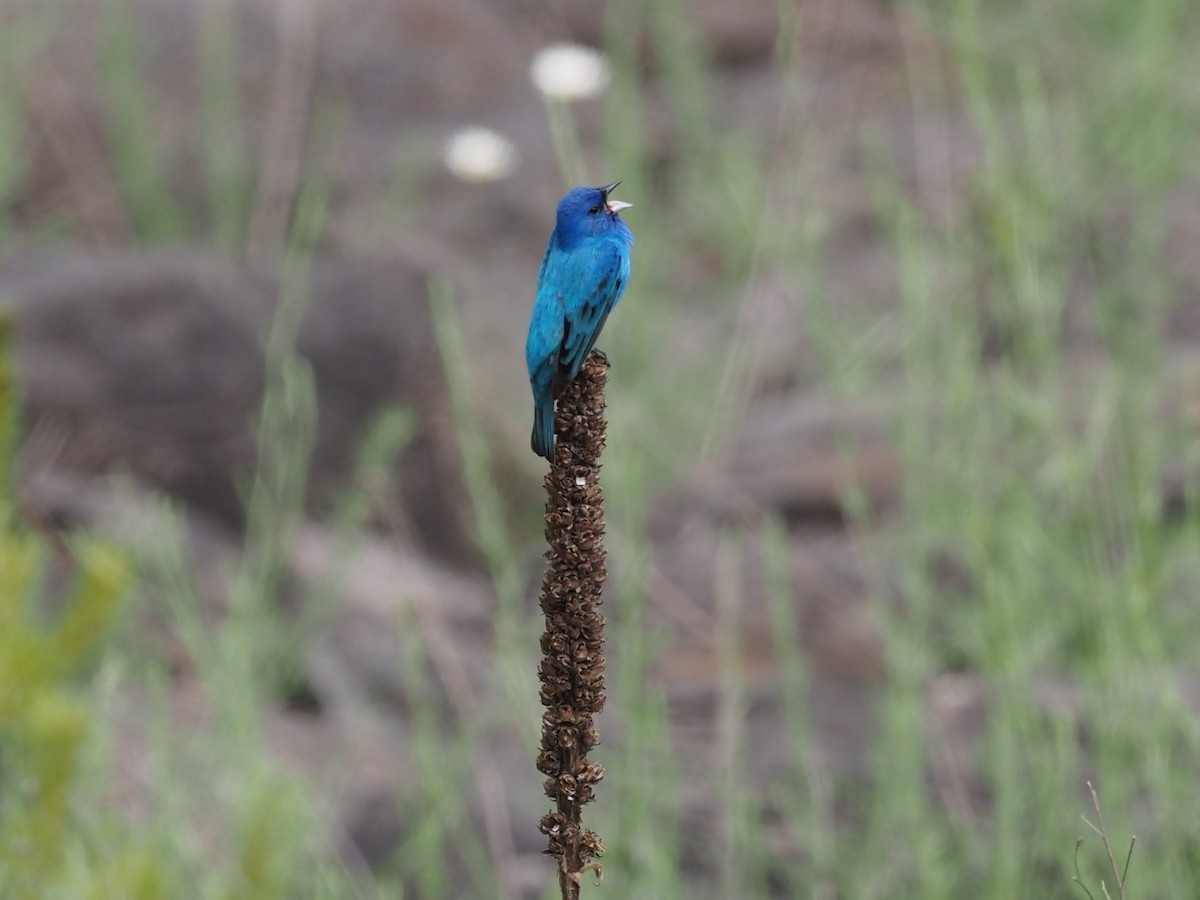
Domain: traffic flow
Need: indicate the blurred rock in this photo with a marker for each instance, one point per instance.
(154, 365)
(391, 603)
(150, 364)
(378, 588)
(799, 457)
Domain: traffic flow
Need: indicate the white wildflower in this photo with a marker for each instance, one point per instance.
(570, 72)
(479, 154)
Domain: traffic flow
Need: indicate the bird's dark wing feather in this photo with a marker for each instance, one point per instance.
(600, 282)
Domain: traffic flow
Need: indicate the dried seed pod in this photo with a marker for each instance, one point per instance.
(572, 668)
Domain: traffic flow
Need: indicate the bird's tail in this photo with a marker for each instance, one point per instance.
(542, 439)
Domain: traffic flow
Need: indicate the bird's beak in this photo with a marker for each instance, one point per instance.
(614, 206)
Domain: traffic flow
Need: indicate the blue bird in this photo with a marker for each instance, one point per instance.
(583, 275)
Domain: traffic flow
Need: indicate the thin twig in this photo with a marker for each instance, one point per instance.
(1078, 879)
(1119, 875)
(1102, 830)
(1128, 857)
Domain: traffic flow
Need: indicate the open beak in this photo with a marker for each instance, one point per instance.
(614, 206)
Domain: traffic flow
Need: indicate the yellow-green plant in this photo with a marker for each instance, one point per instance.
(42, 723)
(44, 719)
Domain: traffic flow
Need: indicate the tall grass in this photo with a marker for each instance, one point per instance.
(1027, 361)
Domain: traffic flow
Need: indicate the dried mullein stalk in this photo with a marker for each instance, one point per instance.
(572, 667)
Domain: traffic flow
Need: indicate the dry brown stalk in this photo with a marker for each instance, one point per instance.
(572, 667)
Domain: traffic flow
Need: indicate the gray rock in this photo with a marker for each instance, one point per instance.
(154, 365)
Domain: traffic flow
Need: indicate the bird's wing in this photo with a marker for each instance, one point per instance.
(545, 337)
(597, 282)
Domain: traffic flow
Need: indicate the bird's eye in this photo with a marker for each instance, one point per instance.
(595, 209)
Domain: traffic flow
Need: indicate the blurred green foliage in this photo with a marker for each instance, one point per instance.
(45, 718)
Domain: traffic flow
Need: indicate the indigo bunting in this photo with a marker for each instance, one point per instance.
(583, 275)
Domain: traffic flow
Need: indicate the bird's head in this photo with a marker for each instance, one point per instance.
(590, 212)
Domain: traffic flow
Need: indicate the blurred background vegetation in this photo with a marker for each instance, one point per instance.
(902, 469)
